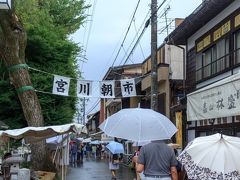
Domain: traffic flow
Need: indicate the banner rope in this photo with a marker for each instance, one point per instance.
(24, 88)
(34, 69)
(116, 97)
(17, 66)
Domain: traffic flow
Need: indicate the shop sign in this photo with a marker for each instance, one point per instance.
(221, 99)
(237, 21)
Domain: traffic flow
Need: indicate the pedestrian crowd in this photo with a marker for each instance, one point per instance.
(78, 150)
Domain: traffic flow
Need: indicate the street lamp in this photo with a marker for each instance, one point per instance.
(5, 4)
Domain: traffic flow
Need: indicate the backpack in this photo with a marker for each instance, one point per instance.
(115, 159)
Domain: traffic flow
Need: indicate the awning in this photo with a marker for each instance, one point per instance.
(221, 99)
(38, 133)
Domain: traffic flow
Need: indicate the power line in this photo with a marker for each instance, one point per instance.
(140, 36)
(139, 43)
(93, 107)
(136, 35)
(126, 33)
(89, 31)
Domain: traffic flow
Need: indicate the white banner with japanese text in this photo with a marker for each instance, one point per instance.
(61, 85)
(221, 99)
(107, 89)
(84, 88)
(128, 87)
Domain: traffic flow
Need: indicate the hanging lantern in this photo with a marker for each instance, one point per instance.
(5, 4)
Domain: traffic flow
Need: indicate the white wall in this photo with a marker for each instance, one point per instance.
(174, 57)
(226, 12)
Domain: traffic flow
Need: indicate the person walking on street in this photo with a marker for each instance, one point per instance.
(158, 161)
(94, 151)
(139, 176)
(114, 165)
(73, 153)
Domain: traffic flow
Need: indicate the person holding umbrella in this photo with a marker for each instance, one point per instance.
(158, 161)
(114, 165)
(115, 148)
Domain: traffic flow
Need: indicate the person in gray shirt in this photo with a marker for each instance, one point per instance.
(158, 161)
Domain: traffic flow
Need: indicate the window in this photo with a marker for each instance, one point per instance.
(237, 119)
(237, 48)
(213, 60)
(224, 120)
(207, 59)
(222, 57)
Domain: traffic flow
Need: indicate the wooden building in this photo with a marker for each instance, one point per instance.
(211, 35)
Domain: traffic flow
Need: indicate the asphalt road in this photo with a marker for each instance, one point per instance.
(92, 169)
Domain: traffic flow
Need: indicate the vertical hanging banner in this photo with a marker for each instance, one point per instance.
(84, 88)
(179, 127)
(128, 87)
(107, 89)
(61, 85)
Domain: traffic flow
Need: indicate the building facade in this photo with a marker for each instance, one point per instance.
(212, 38)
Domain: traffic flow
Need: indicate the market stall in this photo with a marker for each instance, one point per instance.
(33, 134)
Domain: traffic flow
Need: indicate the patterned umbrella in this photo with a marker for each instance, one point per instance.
(212, 157)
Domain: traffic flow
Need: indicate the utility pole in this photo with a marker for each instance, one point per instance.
(154, 82)
(84, 111)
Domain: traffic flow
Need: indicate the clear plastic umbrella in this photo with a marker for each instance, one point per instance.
(212, 157)
(95, 142)
(140, 143)
(138, 125)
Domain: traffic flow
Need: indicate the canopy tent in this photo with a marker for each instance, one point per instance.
(33, 134)
(39, 133)
(56, 139)
(57, 144)
(220, 99)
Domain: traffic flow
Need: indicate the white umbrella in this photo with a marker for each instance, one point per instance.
(95, 142)
(87, 140)
(138, 124)
(212, 157)
(140, 143)
(115, 147)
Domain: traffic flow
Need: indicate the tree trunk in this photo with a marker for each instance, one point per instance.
(13, 40)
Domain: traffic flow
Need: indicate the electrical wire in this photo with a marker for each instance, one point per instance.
(145, 27)
(93, 107)
(89, 32)
(136, 35)
(139, 43)
(126, 33)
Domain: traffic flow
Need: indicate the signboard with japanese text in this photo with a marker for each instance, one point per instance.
(61, 85)
(217, 34)
(128, 87)
(178, 116)
(84, 88)
(237, 21)
(203, 43)
(221, 99)
(107, 89)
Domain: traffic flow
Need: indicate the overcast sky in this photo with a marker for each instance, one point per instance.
(103, 34)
